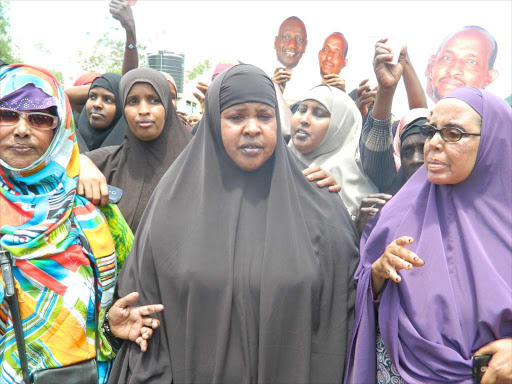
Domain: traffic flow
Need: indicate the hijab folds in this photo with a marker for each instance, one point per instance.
(461, 299)
(338, 153)
(137, 166)
(254, 268)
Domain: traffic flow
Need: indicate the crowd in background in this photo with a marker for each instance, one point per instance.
(323, 240)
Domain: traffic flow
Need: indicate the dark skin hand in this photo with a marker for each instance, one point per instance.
(281, 77)
(183, 117)
(365, 97)
(121, 10)
(133, 323)
(499, 370)
(201, 97)
(369, 207)
(323, 178)
(334, 80)
(395, 258)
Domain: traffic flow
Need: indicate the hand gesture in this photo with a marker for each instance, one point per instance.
(334, 80)
(322, 177)
(500, 367)
(91, 182)
(121, 10)
(388, 75)
(365, 97)
(394, 258)
(183, 117)
(201, 97)
(281, 77)
(133, 323)
(369, 207)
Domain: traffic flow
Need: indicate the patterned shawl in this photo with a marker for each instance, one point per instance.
(54, 237)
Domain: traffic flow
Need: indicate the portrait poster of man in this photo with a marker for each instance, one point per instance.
(332, 57)
(465, 58)
(291, 42)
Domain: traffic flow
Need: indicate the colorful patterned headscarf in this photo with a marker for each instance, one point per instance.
(54, 237)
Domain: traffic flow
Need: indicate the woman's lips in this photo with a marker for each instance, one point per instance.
(301, 134)
(21, 148)
(251, 149)
(97, 116)
(435, 165)
(145, 123)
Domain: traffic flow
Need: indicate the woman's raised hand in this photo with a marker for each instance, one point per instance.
(394, 258)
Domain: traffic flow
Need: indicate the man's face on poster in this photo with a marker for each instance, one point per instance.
(332, 55)
(463, 60)
(291, 42)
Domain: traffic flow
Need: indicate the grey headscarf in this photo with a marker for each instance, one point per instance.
(137, 166)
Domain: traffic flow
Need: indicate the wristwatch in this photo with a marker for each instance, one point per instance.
(131, 46)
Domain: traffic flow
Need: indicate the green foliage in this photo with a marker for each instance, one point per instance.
(58, 75)
(107, 55)
(7, 48)
(199, 69)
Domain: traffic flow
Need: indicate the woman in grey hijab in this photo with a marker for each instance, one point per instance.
(247, 299)
(153, 140)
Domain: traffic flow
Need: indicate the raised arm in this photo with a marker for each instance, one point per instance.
(415, 94)
(121, 10)
(376, 145)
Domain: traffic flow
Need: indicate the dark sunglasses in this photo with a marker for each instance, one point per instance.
(36, 120)
(448, 134)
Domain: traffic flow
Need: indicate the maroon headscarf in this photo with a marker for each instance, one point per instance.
(461, 299)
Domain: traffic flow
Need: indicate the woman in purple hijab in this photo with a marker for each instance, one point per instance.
(453, 297)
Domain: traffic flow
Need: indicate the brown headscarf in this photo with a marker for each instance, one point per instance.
(137, 166)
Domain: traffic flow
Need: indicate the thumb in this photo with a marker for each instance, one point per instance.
(127, 300)
(488, 349)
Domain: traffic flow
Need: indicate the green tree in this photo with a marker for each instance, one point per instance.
(199, 69)
(107, 55)
(7, 48)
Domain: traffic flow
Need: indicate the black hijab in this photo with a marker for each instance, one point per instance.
(137, 166)
(90, 138)
(254, 268)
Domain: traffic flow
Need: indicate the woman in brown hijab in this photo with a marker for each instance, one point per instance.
(153, 141)
(252, 262)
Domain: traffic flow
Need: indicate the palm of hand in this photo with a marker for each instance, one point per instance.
(388, 75)
(125, 323)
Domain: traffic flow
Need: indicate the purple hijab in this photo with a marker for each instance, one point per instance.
(461, 299)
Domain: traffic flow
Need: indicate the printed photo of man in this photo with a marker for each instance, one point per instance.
(291, 41)
(332, 58)
(465, 58)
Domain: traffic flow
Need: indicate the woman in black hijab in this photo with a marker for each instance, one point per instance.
(153, 140)
(101, 121)
(252, 262)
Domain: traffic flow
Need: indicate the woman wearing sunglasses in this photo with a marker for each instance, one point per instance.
(434, 285)
(59, 244)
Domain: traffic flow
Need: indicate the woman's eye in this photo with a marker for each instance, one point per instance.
(471, 61)
(132, 101)
(265, 117)
(155, 100)
(446, 58)
(236, 117)
(109, 100)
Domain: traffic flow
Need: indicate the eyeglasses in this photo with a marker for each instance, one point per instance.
(36, 120)
(448, 134)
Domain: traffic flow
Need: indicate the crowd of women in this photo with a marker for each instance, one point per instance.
(349, 254)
